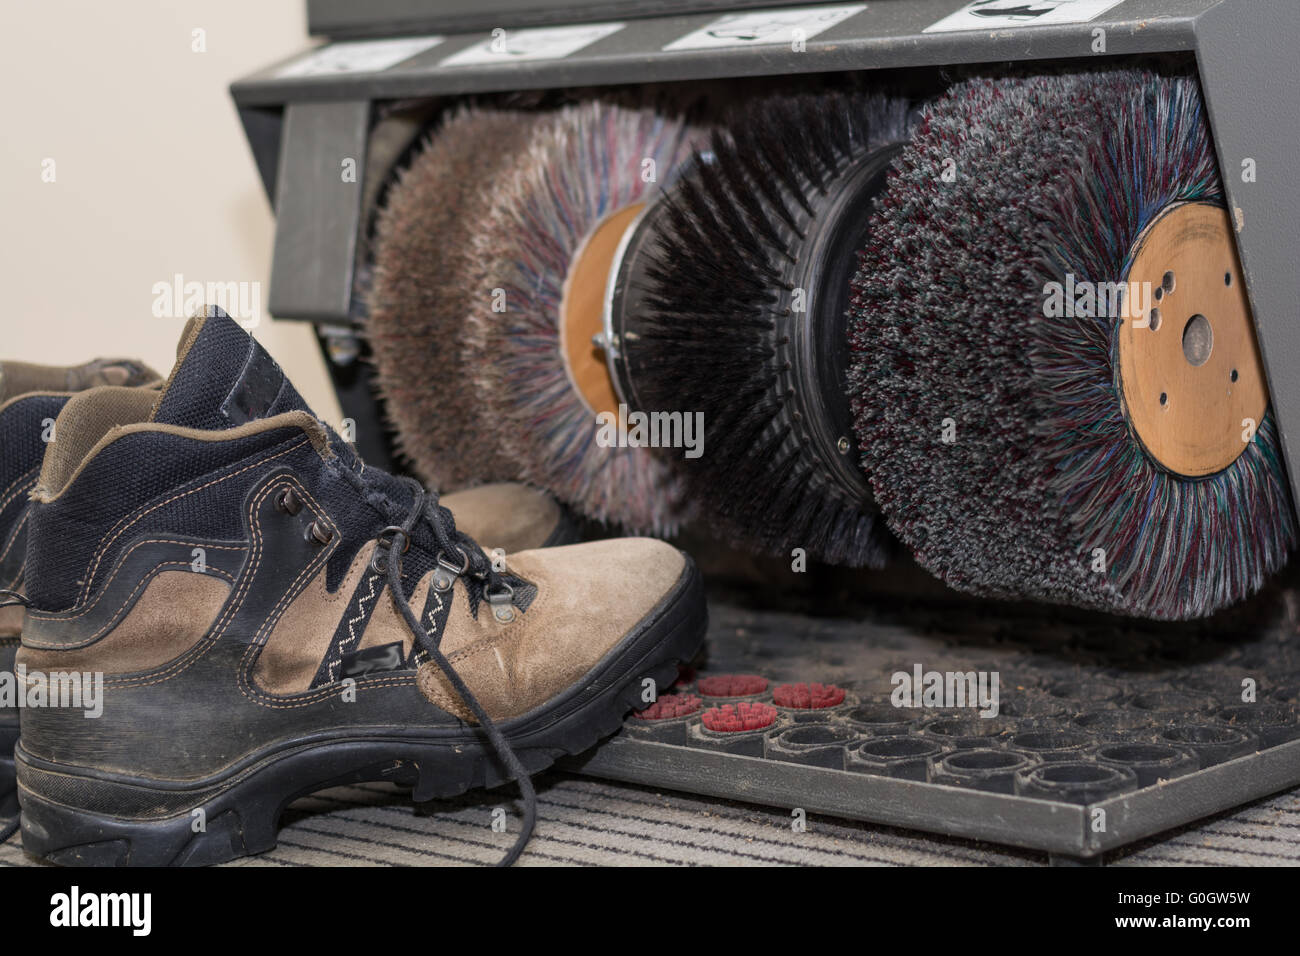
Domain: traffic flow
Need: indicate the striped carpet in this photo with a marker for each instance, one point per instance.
(585, 822)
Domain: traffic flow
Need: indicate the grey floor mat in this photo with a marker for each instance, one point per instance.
(585, 822)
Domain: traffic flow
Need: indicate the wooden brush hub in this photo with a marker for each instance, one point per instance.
(1188, 366)
(582, 310)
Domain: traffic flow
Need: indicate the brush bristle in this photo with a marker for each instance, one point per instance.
(424, 270)
(1056, 175)
(709, 339)
(586, 163)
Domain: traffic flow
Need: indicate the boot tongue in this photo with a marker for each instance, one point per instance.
(223, 378)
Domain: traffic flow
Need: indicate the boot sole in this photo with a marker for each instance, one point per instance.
(8, 782)
(241, 812)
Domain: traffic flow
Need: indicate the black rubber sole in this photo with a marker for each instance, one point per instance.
(8, 782)
(243, 816)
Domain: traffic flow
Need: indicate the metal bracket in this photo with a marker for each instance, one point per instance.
(1246, 56)
(318, 199)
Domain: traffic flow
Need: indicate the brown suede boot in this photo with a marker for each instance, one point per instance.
(31, 397)
(219, 566)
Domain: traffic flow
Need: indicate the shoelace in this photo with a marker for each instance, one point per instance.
(452, 541)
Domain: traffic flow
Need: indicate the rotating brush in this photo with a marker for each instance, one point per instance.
(424, 273)
(730, 300)
(1033, 428)
(545, 247)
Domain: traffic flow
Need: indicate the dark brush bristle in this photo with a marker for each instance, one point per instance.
(1056, 175)
(708, 340)
(424, 264)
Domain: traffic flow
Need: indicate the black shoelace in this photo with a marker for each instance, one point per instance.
(473, 561)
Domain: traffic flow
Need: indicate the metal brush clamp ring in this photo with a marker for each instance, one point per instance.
(816, 344)
(382, 543)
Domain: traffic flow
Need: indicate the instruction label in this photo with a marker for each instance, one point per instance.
(987, 14)
(765, 26)
(539, 43)
(358, 56)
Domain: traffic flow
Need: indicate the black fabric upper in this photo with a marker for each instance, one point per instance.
(224, 379)
(24, 425)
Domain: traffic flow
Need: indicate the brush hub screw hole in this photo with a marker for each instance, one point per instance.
(1176, 379)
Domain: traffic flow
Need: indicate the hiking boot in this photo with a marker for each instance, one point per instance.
(31, 397)
(269, 617)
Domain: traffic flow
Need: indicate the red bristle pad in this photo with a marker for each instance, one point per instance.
(808, 696)
(669, 706)
(734, 718)
(732, 685)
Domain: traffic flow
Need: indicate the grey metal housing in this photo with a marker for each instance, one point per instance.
(302, 128)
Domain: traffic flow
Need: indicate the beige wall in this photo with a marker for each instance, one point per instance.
(153, 176)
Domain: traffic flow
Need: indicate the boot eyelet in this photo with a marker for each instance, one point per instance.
(384, 541)
(320, 533)
(445, 573)
(288, 501)
(501, 602)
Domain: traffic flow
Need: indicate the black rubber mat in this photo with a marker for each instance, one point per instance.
(1106, 730)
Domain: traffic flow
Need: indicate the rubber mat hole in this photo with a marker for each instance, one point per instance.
(816, 735)
(1049, 740)
(877, 714)
(984, 760)
(1234, 374)
(1155, 320)
(1200, 735)
(897, 747)
(1085, 690)
(1137, 753)
(1074, 773)
(956, 728)
(1198, 340)
(1227, 278)
(1167, 283)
